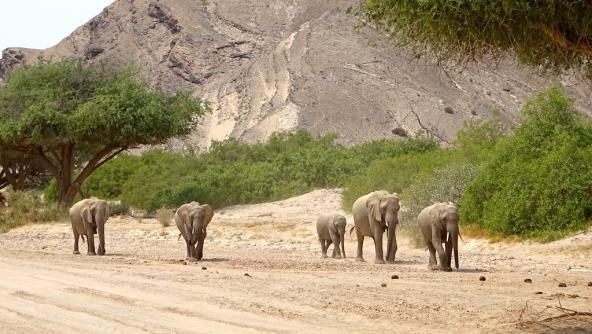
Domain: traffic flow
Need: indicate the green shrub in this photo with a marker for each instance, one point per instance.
(540, 180)
(119, 209)
(28, 207)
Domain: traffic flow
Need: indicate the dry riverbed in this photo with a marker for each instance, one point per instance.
(262, 273)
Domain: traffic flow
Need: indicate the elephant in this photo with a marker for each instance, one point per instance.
(88, 218)
(331, 229)
(192, 219)
(439, 224)
(373, 214)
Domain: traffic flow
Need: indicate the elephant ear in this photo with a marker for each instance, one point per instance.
(208, 214)
(373, 205)
(87, 214)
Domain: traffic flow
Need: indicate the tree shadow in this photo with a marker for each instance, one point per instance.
(215, 259)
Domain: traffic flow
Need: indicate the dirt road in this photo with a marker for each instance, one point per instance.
(262, 273)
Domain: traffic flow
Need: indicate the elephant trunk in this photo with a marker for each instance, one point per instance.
(391, 247)
(453, 231)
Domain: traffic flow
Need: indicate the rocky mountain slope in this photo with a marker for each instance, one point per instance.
(279, 65)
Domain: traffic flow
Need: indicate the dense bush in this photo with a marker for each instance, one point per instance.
(232, 172)
(28, 207)
(539, 183)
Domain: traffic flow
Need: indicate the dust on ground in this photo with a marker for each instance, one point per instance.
(262, 273)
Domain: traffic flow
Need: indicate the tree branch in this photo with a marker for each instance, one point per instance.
(46, 162)
(93, 164)
(560, 40)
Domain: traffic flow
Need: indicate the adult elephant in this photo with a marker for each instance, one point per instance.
(192, 220)
(373, 214)
(439, 224)
(88, 218)
(331, 229)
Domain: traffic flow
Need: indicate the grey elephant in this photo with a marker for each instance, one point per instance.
(88, 218)
(192, 219)
(373, 214)
(331, 229)
(439, 224)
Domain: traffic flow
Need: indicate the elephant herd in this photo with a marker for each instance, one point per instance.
(374, 214)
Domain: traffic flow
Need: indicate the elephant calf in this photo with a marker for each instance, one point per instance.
(331, 229)
(192, 220)
(439, 224)
(88, 218)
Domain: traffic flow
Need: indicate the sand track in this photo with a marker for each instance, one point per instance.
(143, 285)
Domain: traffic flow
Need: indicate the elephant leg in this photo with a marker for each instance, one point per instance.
(378, 244)
(391, 248)
(448, 249)
(199, 249)
(360, 237)
(189, 250)
(76, 237)
(101, 232)
(90, 239)
(432, 264)
(323, 249)
(335, 240)
(437, 243)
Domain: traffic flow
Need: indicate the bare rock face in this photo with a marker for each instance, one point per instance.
(270, 66)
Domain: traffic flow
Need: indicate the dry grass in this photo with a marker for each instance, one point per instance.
(165, 216)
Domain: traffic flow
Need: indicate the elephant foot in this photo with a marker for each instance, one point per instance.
(360, 259)
(101, 252)
(390, 261)
(433, 267)
(337, 257)
(191, 259)
(76, 252)
(91, 254)
(379, 261)
(446, 269)
(324, 256)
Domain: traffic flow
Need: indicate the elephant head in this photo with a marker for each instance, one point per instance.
(383, 208)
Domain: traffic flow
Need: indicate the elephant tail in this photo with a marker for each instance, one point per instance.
(82, 237)
(179, 237)
(351, 230)
(460, 236)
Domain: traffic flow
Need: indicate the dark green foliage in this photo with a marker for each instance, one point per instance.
(232, 172)
(540, 179)
(71, 117)
(554, 34)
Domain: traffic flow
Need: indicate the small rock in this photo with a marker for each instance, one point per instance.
(589, 283)
(562, 285)
(247, 275)
(204, 268)
(474, 112)
(357, 285)
(383, 285)
(528, 280)
(482, 278)
(538, 293)
(449, 110)
(184, 263)
(400, 132)
(395, 277)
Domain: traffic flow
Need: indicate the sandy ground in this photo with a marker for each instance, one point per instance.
(262, 273)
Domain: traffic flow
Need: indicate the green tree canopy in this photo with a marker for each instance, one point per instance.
(74, 117)
(554, 34)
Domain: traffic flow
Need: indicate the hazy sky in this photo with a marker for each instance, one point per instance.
(40, 24)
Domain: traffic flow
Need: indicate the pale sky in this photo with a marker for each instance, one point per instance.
(39, 24)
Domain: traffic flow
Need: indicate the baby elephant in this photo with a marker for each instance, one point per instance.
(88, 218)
(439, 224)
(192, 219)
(331, 229)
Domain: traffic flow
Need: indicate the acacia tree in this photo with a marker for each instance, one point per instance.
(17, 168)
(73, 117)
(553, 34)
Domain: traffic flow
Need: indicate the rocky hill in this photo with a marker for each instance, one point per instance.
(280, 65)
